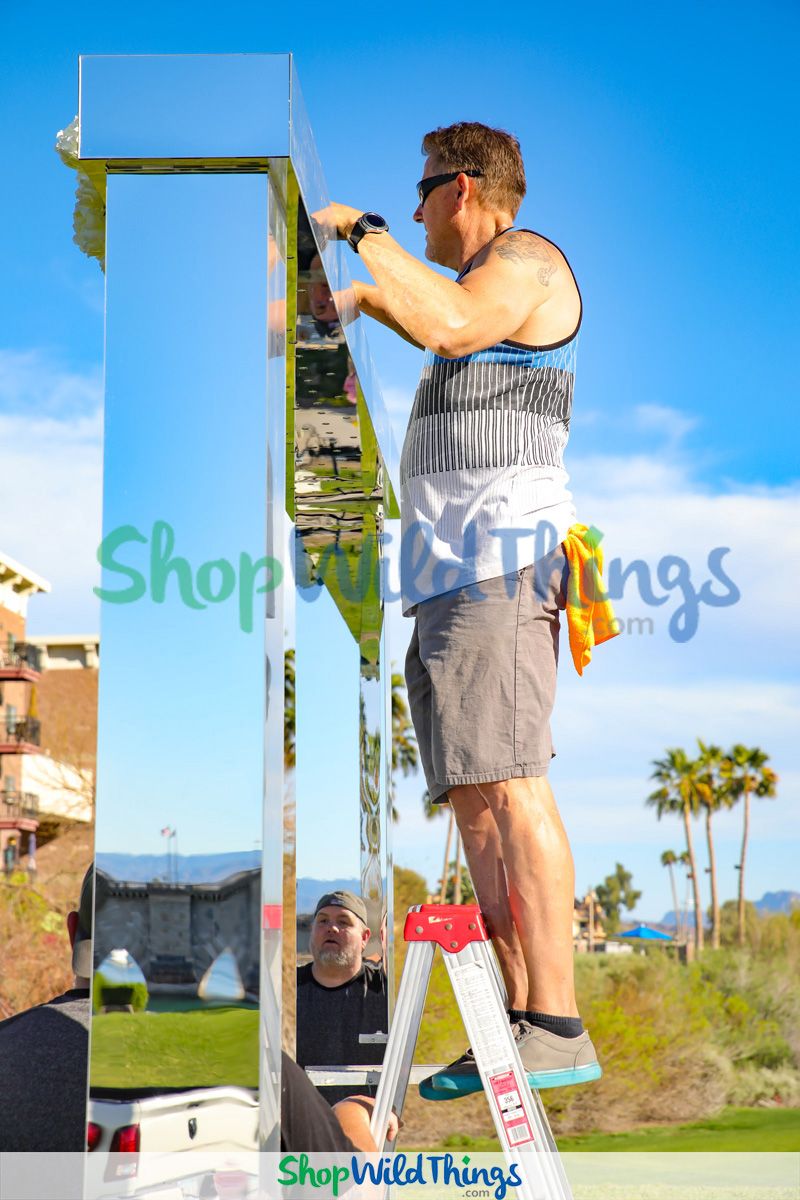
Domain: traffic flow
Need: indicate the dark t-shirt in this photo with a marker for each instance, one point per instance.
(43, 1067)
(307, 1122)
(330, 1020)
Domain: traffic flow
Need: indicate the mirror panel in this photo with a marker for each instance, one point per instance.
(342, 777)
(187, 588)
(173, 106)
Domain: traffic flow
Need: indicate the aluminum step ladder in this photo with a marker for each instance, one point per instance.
(516, 1109)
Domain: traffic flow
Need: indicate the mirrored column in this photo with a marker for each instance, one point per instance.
(192, 481)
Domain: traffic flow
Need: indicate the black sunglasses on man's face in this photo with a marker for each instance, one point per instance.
(426, 186)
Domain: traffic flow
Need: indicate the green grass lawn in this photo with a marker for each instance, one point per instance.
(204, 1048)
(735, 1129)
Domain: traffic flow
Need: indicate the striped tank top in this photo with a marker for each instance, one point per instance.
(483, 486)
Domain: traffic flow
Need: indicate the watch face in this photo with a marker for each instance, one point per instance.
(374, 220)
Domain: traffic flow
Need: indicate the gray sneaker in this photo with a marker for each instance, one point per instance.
(553, 1061)
(549, 1061)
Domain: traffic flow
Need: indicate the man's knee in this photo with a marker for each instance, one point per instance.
(518, 798)
(465, 801)
(497, 917)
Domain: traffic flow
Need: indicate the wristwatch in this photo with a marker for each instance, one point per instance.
(368, 222)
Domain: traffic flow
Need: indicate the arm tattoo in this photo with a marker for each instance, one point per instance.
(523, 247)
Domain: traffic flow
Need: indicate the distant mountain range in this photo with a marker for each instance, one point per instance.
(770, 902)
(192, 868)
(211, 868)
(310, 890)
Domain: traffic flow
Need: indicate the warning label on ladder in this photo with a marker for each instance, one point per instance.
(506, 1095)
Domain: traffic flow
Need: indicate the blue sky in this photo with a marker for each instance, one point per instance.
(659, 155)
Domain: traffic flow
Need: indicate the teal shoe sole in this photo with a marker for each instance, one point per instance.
(451, 1087)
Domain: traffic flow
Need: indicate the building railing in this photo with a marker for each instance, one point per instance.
(22, 655)
(19, 804)
(21, 729)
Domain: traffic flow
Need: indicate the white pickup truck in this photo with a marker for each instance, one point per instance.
(142, 1144)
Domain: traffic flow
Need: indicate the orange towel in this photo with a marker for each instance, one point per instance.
(590, 617)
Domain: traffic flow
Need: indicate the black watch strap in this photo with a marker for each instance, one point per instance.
(368, 222)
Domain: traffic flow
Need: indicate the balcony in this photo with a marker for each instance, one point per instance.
(14, 805)
(20, 736)
(22, 662)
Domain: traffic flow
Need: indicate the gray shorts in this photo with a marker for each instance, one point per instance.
(481, 676)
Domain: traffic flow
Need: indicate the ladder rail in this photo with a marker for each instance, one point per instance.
(474, 978)
(537, 1100)
(517, 1112)
(402, 1042)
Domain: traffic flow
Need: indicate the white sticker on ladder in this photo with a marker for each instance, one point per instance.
(490, 1031)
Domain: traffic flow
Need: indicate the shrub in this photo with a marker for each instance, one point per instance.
(106, 993)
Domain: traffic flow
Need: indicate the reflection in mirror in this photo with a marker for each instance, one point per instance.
(181, 746)
(222, 980)
(335, 448)
(119, 984)
(342, 987)
(181, 1003)
(373, 804)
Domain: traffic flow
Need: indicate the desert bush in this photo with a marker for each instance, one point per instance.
(678, 1042)
(34, 947)
(752, 1085)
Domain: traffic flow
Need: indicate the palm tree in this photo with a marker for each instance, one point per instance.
(748, 776)
(669, 859)
(680, 792)
(683, 861)
(435, 810)
(405, 752)
(289, 710)
(457, 880)
(715, 795)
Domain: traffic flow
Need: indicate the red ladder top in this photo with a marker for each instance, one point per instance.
(451, 926)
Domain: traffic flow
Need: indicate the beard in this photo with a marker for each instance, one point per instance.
(337, 958)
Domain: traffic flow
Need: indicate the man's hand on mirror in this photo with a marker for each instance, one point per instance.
(338, 220)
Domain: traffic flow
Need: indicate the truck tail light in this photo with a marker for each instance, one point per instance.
(93, 1135)
(123, 1154)
(126, 1140)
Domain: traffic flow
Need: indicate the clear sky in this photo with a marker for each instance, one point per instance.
(659, 152)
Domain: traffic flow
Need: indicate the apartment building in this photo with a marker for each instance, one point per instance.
(46, 746)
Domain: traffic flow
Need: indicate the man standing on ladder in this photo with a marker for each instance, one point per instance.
(483, 485)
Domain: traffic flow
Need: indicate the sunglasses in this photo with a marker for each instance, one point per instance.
(426, 186)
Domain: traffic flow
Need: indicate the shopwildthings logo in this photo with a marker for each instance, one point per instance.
(397, 1170)
(361, 574)
(214, 582)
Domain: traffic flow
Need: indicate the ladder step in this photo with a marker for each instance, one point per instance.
(343, 1076)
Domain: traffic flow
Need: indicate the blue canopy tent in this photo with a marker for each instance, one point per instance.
(645, 933)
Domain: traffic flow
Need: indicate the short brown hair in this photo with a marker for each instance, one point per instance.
(470, 146)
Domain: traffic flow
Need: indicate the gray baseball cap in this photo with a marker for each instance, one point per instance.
(343, 899)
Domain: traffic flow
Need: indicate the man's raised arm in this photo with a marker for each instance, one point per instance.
(450, 318)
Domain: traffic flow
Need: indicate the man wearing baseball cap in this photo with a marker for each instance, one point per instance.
(44, 1054)
(341, 997)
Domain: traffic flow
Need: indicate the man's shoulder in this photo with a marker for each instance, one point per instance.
(304, 975)
(374, 976)
(527, 248)
(74, 1004)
